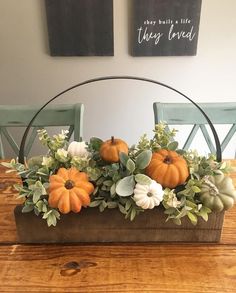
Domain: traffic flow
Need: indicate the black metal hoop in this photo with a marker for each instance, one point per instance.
(216, 138)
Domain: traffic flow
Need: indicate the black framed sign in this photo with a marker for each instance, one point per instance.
(80, 27)
(165, 27)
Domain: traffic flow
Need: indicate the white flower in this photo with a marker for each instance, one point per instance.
(173, 202)
(62, 155)
(47, 161)
(63, 134)
(78, 149)
(171, 199)
(148, 196)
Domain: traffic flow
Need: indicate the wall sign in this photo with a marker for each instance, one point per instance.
(80, 27)
(165, 27)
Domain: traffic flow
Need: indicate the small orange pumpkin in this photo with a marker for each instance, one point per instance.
(69, 190)
(110, 149)
(168, 168)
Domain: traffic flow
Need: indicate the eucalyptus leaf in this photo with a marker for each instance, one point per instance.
(113, 189)
(96, 142)
(130, 165)
(104, 204)
(181, 152)
(143, 159)
(104, 188)
(42, 174)
(95, 190)
(172, 146)
(95, 203)
(45, 216)
(56, 213)
(108, 183)
(101, 208)
(116, 177)
(206, 210)
(133, 214)
(125, 186)
(195, 189)
(191, 204)
(177, 221)
(128, 205)
(36, 211)
(112, 204)
(143, 179)
(123, 158)
(204, 215)
(223, 165)
(40, 205)
(122, 209)
(192, 218)
(44, 208)
(100, 181)
(51, 220)
(36, 196)
(27, 208)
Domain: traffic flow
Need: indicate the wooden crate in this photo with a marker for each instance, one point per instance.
(110, 226)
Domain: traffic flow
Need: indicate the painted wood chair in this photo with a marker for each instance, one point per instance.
(185, 113)
(12, 116)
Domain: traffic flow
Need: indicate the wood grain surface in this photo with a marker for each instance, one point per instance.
(8, 196)
(143, 268)
(113, 268)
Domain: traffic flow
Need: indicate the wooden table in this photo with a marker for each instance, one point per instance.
(113, 268)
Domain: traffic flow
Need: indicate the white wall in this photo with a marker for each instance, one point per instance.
(28, 74)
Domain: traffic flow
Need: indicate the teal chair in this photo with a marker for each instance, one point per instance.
(12, 116)
(185, 114)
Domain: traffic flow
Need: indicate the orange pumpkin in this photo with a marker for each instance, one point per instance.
(69, 190)
(168, 168)
(110, 149)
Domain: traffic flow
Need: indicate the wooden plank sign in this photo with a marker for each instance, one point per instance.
(165, 27)
(80, 28)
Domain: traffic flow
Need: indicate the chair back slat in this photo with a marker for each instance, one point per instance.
(188, 114)
(14, 116)
(228, 137)
(191, 136)
(207, 138)
(10, 139)
(1, 145)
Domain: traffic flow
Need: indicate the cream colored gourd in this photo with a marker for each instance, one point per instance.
(218, 192)
(78, 149)
(148, 196)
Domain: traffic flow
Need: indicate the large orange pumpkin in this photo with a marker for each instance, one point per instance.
(110, 149)
(69, 190)
(168, 168)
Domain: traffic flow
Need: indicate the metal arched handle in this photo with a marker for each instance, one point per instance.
(216, 138)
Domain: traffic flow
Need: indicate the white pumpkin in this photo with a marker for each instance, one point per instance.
(148, 196)
(78, 149)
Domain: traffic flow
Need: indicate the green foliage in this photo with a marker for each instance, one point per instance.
(143, 159)
(115, 182)
(163, 136)
(125, 186)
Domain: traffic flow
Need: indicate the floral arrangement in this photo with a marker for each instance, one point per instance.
(111, 175)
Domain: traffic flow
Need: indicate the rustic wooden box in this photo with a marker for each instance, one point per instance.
(110, 226)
